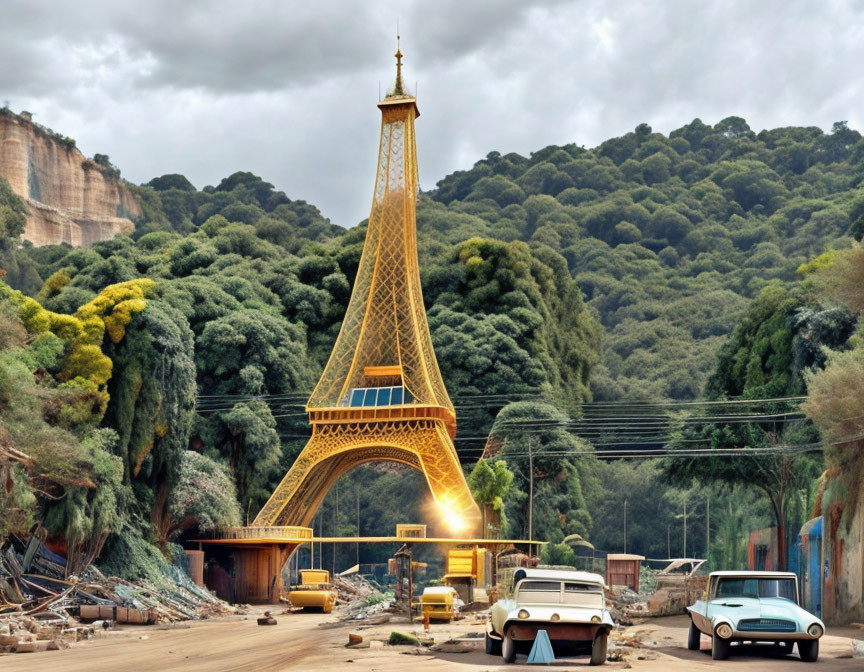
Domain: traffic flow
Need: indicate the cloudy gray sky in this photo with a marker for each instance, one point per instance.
(288, 89)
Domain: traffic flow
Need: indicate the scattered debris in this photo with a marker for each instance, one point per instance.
(361, 599)
(400, 638)
(100, 613)
(267, 619)
(454, 646)
(42, 608)
(418, 651)
(616, 656)
(354, 638)
(627, 639)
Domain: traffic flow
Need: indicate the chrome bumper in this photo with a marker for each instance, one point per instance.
(768, 636)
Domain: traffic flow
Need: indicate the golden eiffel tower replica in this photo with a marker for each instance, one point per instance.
(381, 396)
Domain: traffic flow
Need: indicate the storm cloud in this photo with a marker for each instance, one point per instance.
(288, 89)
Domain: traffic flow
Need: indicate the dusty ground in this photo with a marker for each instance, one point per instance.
(300, 641)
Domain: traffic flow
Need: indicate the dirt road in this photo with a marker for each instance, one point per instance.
(299, 642)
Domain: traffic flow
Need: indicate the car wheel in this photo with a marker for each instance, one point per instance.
(493, 646)
(508, 649)
(694, 637)
(719, 648)
(598, 648)
(808, 649)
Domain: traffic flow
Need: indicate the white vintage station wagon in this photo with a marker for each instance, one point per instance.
(569, 605)
(754, 607)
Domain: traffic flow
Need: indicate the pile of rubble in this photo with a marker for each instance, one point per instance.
(24, 634)
(361, 599)
(625, 605)
(43, 608)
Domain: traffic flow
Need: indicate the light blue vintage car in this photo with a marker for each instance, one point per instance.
(754, 607)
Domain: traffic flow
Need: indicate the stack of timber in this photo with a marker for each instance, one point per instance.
(42, 608)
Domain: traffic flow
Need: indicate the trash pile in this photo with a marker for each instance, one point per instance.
(354, 586)
(361, 599)
(625, 605)
(42, 608)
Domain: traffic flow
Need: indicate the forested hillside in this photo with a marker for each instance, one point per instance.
(173, 365)
(667, 237)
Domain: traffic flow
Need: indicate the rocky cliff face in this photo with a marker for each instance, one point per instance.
(71, 198)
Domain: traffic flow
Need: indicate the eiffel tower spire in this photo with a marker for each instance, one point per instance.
(398, 88)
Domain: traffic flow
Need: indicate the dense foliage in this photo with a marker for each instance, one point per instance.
(668, 237)
(836, 397)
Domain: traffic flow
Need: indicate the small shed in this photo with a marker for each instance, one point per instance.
(810, 562)
(622, 569)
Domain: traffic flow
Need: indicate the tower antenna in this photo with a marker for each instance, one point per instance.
(398, 88)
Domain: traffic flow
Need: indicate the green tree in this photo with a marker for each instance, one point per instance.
(203, 496)
(490, 484)
(547, 458)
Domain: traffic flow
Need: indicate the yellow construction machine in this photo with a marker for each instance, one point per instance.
(314, 591)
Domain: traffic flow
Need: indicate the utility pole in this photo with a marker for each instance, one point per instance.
(530, 490)
(668, 543)
(685, 528)
(358, 527)
(320, 534)
(335, 529)
(708, 526)
(625, 524)
(312, 547)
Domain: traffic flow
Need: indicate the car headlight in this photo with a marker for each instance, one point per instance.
(815, 630)
(723, 631)
(595, 619)
(554, 618)
(523, 613)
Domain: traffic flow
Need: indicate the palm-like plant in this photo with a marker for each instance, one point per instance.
(490, 482)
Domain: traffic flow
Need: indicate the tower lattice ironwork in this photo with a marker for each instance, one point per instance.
(381, 395)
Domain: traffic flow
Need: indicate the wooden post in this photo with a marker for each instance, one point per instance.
(358, 527)
(708, 527)
(530, 491)
(625, 524)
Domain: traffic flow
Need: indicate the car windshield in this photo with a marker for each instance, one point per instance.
(577, 594)
(745, 586)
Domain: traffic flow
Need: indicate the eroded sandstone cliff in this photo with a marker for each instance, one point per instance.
(71, 198)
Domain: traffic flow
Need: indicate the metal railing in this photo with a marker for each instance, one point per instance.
(287, 532)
